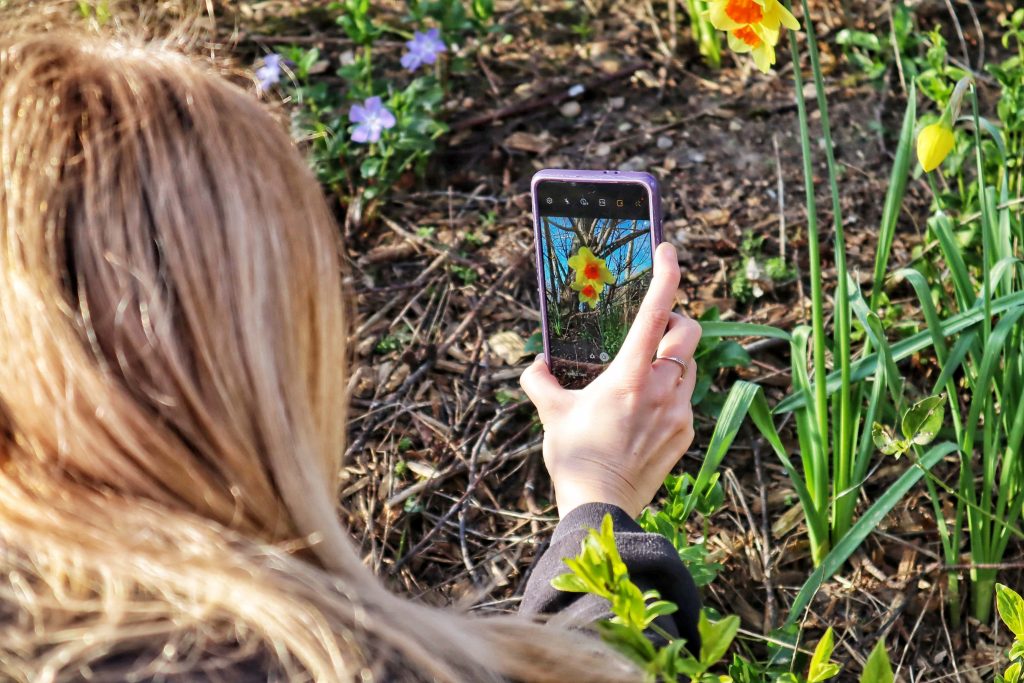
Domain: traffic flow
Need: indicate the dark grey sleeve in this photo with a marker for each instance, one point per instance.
(653, 564)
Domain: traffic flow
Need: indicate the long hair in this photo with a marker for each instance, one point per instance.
(172, 402)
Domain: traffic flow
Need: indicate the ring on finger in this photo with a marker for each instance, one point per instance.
(683, 366)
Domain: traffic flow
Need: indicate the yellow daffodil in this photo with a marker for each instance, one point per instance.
(590, 270)
(589, 293)
(747, 39)
(763, 15)
(934, 143)
(752, 26)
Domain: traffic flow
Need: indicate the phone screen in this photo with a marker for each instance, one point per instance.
(596, 249)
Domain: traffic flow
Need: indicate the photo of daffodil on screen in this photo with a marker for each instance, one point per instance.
(596, 273)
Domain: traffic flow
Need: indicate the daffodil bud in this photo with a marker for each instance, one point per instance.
(934, 143)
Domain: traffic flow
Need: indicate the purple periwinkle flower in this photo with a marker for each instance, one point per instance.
(372, 117)
(423, 49)
(270, 72)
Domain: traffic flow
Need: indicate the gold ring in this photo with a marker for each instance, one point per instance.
(678, 361)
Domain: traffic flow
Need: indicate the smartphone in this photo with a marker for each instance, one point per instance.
(596, 232)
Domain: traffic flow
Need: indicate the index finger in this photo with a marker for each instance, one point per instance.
(652, 317)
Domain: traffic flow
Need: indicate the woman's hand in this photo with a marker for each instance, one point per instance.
(616, 440)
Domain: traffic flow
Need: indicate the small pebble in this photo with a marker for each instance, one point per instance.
(570, 109)
(576, 90)
(608, 64)
(617, 102)
(735, 126)
(637, 163)
(603, 150)
(625, 126)
(664, 142)
(696, 157)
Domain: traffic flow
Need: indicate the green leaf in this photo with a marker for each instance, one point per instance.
(305, 61)
(1016, 651)
(711, 499)
(821, 669)
(885, 441)
(483, 9)
(659, 608)
(569, 583)
(724, 354)
(370, 167)
(877, 669)
(868, 41)
(716, 637)
(716, 328)
(1013, 673)
(1011, 609)
(634, 644)
(921, 424)
(535, 344)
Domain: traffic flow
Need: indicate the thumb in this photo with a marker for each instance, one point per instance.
(541, 386)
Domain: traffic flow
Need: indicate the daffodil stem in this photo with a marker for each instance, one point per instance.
(986, 220)
(843, 439)
(935, 191)
(817, 474)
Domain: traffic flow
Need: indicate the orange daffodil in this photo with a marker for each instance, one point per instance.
(589, 293)
(591, 276)
(752, 26)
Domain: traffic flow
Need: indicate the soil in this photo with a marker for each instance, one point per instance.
(462, 519)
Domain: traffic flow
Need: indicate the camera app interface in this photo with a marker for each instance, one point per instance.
(597, 257)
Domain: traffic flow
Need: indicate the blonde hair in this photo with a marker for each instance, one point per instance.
(172, 406)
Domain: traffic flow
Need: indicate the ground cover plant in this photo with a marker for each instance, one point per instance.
(844, 182)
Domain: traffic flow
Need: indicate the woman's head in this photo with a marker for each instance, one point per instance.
(172, 402)
(173, 324)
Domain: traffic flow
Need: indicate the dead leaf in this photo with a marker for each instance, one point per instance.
(422, 469)
(508, 346)
(529, 142)
(787, 521)
(714, 217)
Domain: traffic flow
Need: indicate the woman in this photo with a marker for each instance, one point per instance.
(172, 410)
